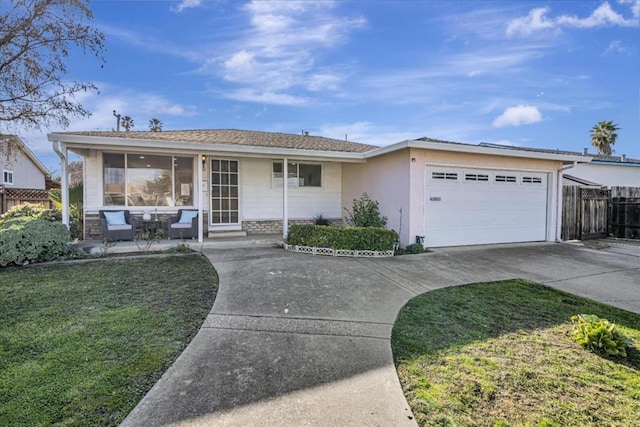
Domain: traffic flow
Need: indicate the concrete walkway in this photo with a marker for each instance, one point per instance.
(297, 340)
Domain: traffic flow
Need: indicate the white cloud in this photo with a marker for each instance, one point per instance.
(186, 4)
(281, 52)
(518, 115)
(602, 16)
(616, 47)
(367, 133)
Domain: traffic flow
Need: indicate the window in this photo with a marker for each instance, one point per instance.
(299, 174)
(7, 177)
(531, 180)
(505, 178)
(444, 175)
(476, 177)
(147, 180)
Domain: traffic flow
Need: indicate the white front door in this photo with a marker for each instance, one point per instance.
(225, 193)
(465, 206)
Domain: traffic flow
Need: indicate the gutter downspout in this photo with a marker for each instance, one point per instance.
(61, 151)
(201, 165)
(560, 200)
(285, 199)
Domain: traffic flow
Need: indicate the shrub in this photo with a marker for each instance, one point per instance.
(28, 240)
(599, 335)
(414, 248)
(29, 210)
(350, 238)
(321, 220)
(365, 213)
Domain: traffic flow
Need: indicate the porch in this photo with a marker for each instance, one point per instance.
(97, 247)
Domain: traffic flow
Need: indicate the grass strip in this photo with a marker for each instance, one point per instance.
(501, 354)
(81, 344)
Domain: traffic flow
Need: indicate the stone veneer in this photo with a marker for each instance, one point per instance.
(93, 228)
(275, 226)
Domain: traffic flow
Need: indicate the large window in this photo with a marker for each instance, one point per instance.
(299, 174)
(147, 180)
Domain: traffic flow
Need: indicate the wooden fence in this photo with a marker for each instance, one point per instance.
(624, 212)
(10, 197)
(592, 213)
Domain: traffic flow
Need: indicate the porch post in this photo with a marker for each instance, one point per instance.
(200, 198)
(64, 184)
(285, 199)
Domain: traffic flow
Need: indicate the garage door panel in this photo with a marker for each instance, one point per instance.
(466, 212)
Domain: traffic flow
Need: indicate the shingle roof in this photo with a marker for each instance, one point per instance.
(240, 137)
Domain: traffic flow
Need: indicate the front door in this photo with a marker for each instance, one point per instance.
(225, 196)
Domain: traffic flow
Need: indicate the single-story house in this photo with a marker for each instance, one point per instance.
(609, 171)
(261, 182)
(23, 178)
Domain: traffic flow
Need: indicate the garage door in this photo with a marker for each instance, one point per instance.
(476, 206)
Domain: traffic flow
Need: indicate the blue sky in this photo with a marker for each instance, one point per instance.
(537, 74)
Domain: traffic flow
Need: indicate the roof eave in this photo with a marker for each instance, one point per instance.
(32, 157)
(476, 149)
(130, 144)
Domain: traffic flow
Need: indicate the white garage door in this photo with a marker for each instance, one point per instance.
(476, 206)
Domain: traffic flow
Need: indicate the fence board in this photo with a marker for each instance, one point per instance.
(571, 219)
(625, 212)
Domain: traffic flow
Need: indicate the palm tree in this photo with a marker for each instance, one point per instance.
(127, 123)
(155, 125)
(603, 136)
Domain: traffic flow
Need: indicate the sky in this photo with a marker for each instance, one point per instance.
(536, 74)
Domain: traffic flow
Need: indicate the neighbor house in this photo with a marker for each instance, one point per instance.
(23, 179)
(597, 171)
(252, 182)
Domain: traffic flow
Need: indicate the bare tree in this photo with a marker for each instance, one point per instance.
(36, 38)
(155, 125)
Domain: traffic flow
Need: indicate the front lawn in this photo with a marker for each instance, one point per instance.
(501, 354)
(81, 344)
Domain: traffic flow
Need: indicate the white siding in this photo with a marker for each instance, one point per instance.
(608, 175)
(25, 173)
(262, 200)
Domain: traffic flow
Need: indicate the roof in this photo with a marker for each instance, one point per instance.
(574, 180)
(248, 138)
(460, 147)
(5, 139)
(596, 158)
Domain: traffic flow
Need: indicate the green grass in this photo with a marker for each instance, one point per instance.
(80, 344)
(500, 354)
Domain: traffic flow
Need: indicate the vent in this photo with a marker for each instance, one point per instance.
(444, 175)
(476, 177)
(531, 180)
(505, 178)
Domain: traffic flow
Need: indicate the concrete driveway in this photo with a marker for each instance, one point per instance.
(298, 340)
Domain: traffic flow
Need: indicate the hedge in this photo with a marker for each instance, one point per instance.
(350, 238)
(26, 240)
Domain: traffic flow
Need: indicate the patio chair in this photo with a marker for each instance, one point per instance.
(117, 225)
(185, 225)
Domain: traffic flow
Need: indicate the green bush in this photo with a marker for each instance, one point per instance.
(30, 210)
(27, 240)
(365, 213)
(599, 335)
(350, 238)
(414, 248)
(41, 212)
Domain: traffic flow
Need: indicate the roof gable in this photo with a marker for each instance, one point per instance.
(17, 142)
